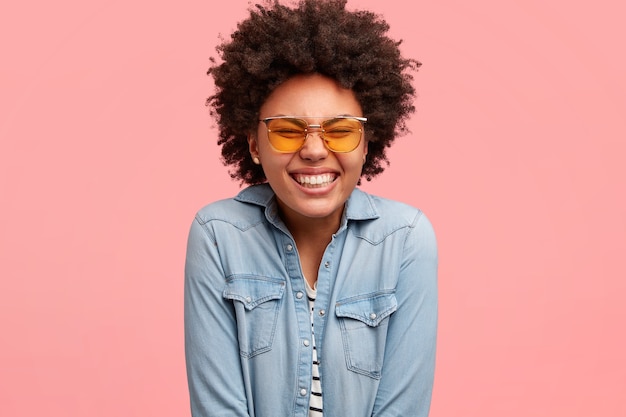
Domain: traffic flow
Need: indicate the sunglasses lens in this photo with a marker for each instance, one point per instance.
(342, 135)
(286, 135)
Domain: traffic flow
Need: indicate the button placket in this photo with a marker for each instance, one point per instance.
(303, 317)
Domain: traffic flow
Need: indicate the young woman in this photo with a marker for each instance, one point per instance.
(305, 296)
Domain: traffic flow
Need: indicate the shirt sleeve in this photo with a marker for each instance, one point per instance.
(214, 375)
(409, 363)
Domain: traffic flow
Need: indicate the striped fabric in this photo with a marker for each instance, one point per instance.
(315, 402)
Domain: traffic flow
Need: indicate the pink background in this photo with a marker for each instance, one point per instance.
(516, 154)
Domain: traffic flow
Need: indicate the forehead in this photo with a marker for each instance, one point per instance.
(311, 96)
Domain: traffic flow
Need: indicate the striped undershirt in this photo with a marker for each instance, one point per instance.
(315, 402)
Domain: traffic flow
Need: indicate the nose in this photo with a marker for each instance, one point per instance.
(314, 148)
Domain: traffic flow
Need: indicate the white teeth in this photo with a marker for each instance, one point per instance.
(315, 180)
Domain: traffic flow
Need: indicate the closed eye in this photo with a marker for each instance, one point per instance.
(289, 133)
(340, 132)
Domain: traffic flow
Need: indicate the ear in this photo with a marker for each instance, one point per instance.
(253, 145)
(365, 150)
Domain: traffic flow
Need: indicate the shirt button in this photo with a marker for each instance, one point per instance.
(302, 392)
(326, 264)
(322, 312)
(299, 295)
(289, 248)
(306, 342)
(248, 299)
(373, 316)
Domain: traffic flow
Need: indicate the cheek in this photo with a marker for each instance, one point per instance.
(352, 164)
(264, 146)
(274, 164)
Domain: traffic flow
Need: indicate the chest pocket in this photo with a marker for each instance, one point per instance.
(257, 301)
(363, 321)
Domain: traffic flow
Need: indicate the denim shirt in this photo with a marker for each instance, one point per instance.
(248, 325)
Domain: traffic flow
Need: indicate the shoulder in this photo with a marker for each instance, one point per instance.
(386, 217)
(243, 211)
(398, 210)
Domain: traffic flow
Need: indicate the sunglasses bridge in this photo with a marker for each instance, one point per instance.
(313, 129)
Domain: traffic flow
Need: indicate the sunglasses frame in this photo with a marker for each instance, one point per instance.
(318, 126)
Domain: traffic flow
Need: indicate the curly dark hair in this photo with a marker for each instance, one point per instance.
(277, 42)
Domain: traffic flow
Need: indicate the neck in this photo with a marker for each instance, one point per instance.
(312, 235)
(308, 228)
(311, 228)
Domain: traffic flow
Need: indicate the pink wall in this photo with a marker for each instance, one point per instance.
(516, 154)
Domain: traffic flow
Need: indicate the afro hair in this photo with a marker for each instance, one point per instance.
(277, 42)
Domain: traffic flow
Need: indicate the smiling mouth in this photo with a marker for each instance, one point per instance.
(315, 181)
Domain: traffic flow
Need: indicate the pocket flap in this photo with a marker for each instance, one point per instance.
(370, 309)
(252, 291)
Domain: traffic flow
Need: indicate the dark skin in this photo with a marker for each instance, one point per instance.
(312, 236)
